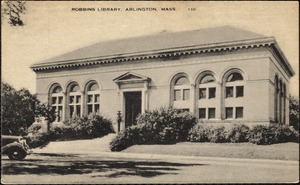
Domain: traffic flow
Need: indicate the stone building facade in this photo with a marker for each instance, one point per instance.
(223, 75)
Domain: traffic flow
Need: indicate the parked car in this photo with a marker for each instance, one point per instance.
(15, 147)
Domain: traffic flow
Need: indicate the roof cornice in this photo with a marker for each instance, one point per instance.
(155, 54)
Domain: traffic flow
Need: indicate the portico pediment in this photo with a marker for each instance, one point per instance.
(130, 77)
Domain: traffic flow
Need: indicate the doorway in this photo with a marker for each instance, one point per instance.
(133, 107)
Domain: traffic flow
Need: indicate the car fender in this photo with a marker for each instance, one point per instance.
(5, 149)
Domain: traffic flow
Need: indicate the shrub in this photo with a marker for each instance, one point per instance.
(238, 133)
(161, 126)
(126, 138)
(87, 127)
(276, 133)
(217, 135)
(199, 133)
(38, 139)
(164, 121)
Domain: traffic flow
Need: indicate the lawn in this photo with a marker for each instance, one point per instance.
(283, 151)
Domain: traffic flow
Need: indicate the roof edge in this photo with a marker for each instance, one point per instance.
(157, 53)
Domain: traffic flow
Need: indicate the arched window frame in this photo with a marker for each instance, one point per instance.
(206, 94)
(233, 106)
(276, 90)
(92, 98)
(74, 101)
(183, 99)
(56, 100)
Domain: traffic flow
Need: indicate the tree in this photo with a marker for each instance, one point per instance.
(294, 112)
(19, 109)
(14, 9)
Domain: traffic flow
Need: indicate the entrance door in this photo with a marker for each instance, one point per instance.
(133, 107)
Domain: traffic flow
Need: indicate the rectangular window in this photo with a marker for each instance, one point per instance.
(239, 91)
(212, 92)
(229, 92)
(60, 100)
(90, 98)
(239, 112)
(97, 97)
(186, 94)
(177, 95)
(71, 110)
(78, 111)
(202, 113)
(59, 114)
(90, 109)
(54, 100)
(78, 99)
(72, 99)
(202, 93)
(97, 107)
(211, 113)
(229, 112)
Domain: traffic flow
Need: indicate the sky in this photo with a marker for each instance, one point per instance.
(52, 29)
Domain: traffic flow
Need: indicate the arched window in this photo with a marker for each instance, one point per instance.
(207, 96)
(280, 100)
(74, 100)
(234, 89)
(233, 86)
(182, 89)
(284, 102)
(57, 101)
(180, 92)
(276, 99)
(93, 98)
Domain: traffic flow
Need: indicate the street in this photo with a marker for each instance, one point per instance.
(109, 168)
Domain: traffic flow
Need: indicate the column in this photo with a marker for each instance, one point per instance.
(220, 102)
(193, 99)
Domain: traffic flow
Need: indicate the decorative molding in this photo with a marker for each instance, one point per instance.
(156, 65)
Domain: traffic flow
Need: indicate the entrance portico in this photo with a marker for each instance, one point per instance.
(133, 96)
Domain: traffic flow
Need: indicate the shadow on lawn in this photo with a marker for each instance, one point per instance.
(106, 168)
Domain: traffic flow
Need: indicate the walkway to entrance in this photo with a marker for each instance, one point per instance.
(78, 146)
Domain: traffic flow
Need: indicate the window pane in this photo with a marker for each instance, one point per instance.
(234, 77)
(78, 111)
(202, 93)
(207, 79)
(229, 92)
(60, 100)
(72, 99)
(239, 91)
(93, 87)
(71, 110)
(211, 113)
(90, 98)
(229, 112)
(202, 113)
(182, 81)
(177, 95)
(90, 109)
(239, 112)
(57, 89)
(59, 114)
(78, 98)
(186, 94)
(97, 98)
(75, 88)
(54, 100)
(97, 108)
(212, 92)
